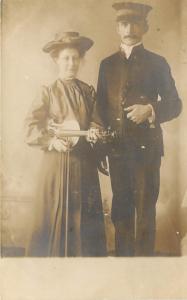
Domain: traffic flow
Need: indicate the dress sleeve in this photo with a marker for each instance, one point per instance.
(36, 133)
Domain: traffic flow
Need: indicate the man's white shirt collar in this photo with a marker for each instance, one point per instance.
(128, 49)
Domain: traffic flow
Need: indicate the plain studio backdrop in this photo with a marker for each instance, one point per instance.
(27, 26)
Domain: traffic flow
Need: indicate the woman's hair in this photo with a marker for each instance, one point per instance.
(55, 53)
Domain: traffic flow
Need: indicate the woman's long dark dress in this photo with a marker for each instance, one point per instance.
(64, 100)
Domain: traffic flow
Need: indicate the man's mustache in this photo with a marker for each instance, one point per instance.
(130, 36)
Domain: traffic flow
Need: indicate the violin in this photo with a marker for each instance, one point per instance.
(73, 131)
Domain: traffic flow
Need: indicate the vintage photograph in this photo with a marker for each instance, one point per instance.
(93, 131)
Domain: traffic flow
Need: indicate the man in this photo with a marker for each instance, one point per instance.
(136, 92)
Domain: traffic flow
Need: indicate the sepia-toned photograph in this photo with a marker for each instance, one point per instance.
(93, 131)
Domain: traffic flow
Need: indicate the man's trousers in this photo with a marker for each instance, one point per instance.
(135, 179)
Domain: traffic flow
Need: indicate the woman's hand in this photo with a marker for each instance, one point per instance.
(54, 129)
(60, 145)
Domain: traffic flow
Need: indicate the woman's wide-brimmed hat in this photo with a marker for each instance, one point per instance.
(69, 39)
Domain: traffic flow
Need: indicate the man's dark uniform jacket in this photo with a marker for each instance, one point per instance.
(138, 80)
(143, 78)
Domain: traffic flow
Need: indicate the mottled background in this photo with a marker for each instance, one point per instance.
(27, 26)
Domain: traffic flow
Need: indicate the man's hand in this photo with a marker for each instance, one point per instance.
(138, 113)
(93, 135)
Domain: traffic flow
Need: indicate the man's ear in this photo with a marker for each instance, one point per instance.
(117, 27)
(54, 60)
(146, 27)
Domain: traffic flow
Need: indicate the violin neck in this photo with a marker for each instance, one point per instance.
(73, 133)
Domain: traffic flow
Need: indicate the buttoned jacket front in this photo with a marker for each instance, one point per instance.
(143, 78)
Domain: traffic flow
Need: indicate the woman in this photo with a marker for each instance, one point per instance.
(68, 216)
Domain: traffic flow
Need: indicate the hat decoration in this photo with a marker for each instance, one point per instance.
(69, 39)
